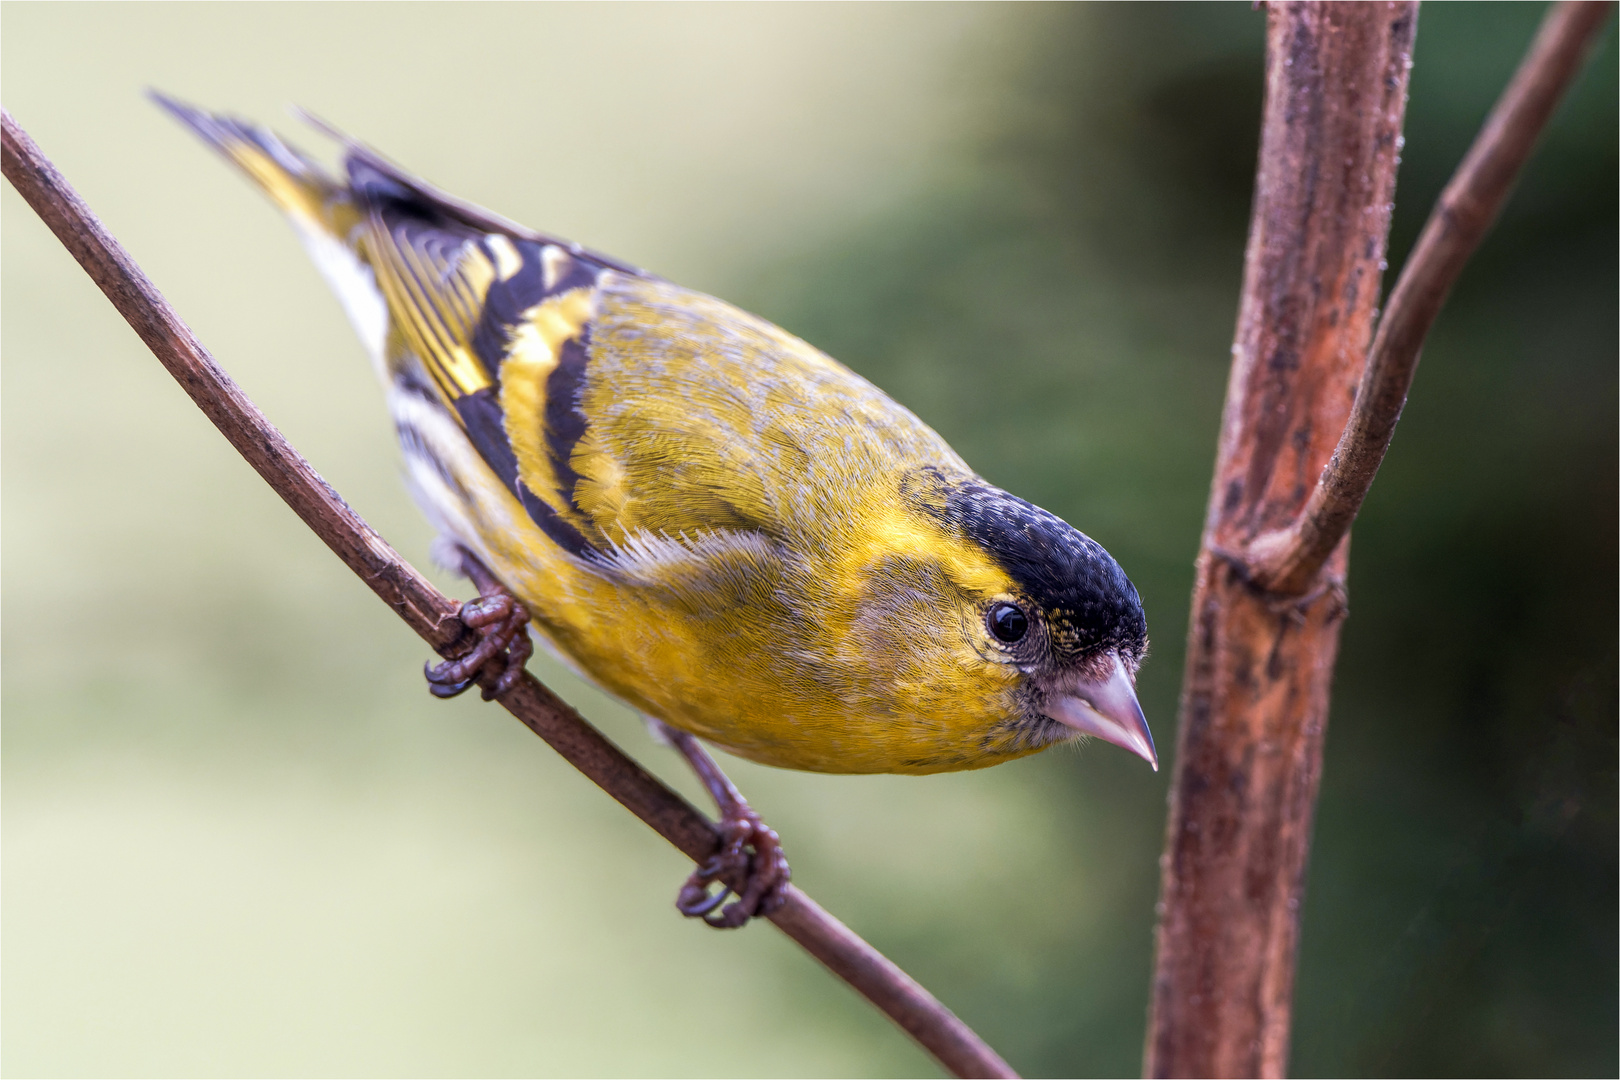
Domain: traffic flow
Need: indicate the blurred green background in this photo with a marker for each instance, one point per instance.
(240, 838)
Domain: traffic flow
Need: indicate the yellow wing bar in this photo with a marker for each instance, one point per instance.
(435, 285)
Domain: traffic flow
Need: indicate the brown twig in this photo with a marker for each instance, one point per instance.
(434, 616)
(1287, 561)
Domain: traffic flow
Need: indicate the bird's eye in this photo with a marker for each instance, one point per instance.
(1008, 622)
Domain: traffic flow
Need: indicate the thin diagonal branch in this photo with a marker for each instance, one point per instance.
(434, 616)
(1287, 561)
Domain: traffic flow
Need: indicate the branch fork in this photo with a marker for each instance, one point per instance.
(1288, 561)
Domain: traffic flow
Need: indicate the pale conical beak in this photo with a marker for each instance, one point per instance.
(1108, 709)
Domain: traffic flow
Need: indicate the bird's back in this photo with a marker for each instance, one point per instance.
(608, 402)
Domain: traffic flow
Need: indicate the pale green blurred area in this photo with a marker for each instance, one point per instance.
(239, 837)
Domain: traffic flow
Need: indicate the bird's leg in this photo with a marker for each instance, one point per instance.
(503, 646)
(764, 874)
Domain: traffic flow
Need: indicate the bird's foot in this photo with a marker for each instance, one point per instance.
(750, 863)
(763, 873)
(503, 646)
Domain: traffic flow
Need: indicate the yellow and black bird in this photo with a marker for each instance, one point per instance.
(712, 520)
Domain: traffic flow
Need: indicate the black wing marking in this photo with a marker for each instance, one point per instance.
(459, 297)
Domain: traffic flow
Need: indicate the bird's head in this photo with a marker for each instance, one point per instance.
(1023, 620)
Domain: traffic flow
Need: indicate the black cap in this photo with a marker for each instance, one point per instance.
(1089, 604)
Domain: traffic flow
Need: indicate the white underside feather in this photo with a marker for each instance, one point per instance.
(356, 289)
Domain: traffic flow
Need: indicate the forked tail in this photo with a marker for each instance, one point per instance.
(302, 189)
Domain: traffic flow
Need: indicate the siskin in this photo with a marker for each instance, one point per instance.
(712, 520)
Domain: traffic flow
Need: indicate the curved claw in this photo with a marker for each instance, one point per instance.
(695, 902)
(443, 688)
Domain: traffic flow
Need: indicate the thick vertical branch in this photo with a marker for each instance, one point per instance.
(1255, 696)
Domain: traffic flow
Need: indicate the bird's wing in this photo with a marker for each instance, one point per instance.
(614, 406)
